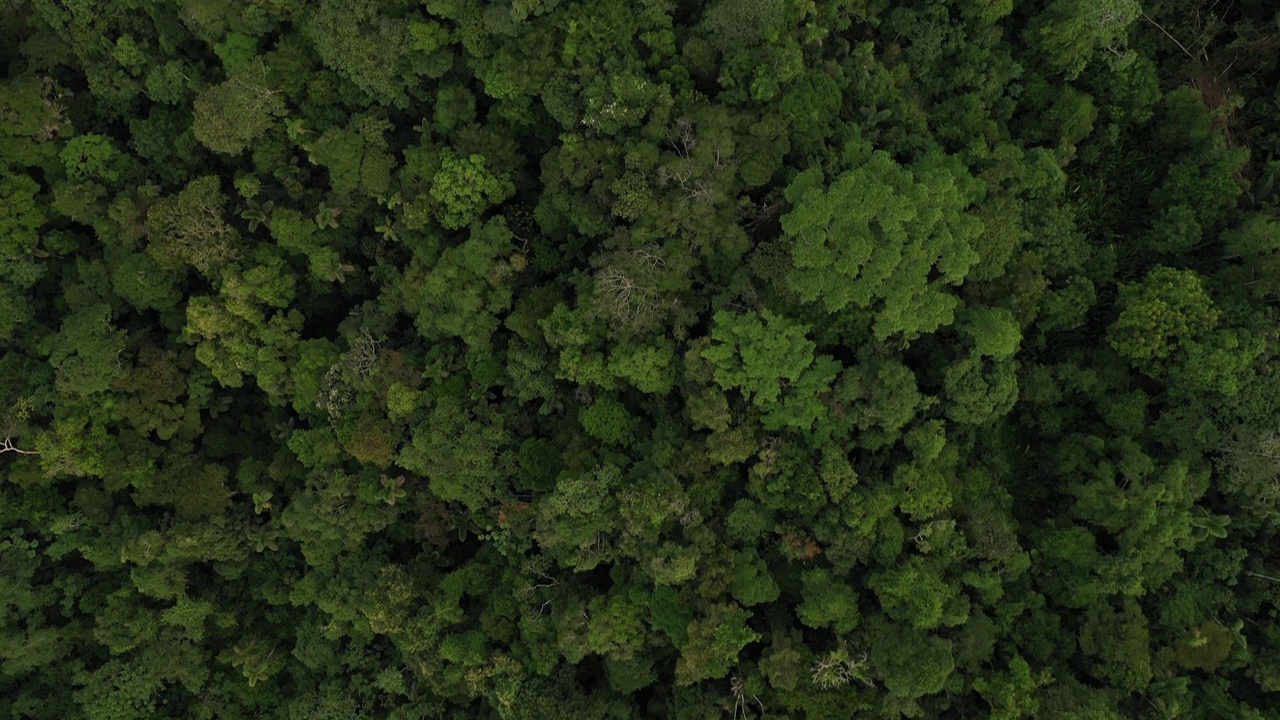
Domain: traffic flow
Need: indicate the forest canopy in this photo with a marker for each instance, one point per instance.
(556, 359)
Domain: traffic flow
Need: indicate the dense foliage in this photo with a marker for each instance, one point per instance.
(615, 359)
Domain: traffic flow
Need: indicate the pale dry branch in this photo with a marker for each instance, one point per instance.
(1169, 35)
(363, 358)
(837, 669)
(8, 446)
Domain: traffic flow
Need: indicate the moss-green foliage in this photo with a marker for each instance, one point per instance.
(465, 188)
(228, 117)
(602, 359)
(874, 237)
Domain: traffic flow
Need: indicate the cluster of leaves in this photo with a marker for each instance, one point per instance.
(602, 359)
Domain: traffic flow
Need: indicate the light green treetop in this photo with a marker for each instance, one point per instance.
(873, 238)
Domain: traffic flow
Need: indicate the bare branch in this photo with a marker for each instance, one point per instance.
(7, 446)
(1169, 35)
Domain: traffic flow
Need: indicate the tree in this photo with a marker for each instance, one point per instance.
(236, 50)
(466, 290)
(86, 351)
(139, 281)
(714, 643)
(34, 112)
(464, 188)
(189, 229)
(1168, 308)
(1011, 693)
(1255, 248)
(364, 46)
(233, 114)
(21, 218)
(763, 354)
(254, 661)
(1118, 641)
(576, 520)
(246, 329)
(980, 390)
(20, 221)
(118, 689)
(616, 630)
(90, 156)
(828, 602)
(994, 332)
(463, 456)
(914, 593)
(298, 233)
(635, 291)
(650, 368)
(1069, 33)
(873, 238)
(884, 397)
(372, 440)
(752, 582)
(608, 420)
(911, 663)
(356, 156)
